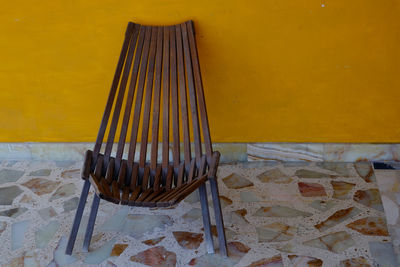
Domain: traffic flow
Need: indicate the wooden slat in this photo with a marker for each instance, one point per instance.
(157, 178)
(183, 98)
(110, 171)
(115, 191)
(192, 170)
(203, 165)
(156, 101)
(125, 195)
(192, 94)
(134, 195)
(164, 195)
(131, 94)
(168, 182)
(154, 200)
(174, 99)
(98, 188)
(98, 170)
(143, 196)
(188, 190)
(134, 177)
(173, 193)
(165, 74)
(121, 94)
(171, 197)
(185, 189)
(114, 86)
(122, 174)
(154, 194)
(181, 173)
(212, 172)
(147, 100)
(199, 89)
(148, 202)
(139, 96)
(106, 189)
(145, 180)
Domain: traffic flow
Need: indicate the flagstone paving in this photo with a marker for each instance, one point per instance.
(276, 214)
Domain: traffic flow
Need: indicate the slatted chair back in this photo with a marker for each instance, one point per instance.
(158, 70)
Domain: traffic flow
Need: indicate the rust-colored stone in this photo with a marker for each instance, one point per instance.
(225, 201)
(237, 249)
(311, 189)
(341, 189)
(297, 260)
(315, 263)
(118, 249)
(153, 241)
(156, 257)
(41, 186)
(71, 173)
(369, 198)
(365, 170)
(241, 213)
(266, 262)
(355, 262)
(375, 226)
(188, 240)
(336, 218)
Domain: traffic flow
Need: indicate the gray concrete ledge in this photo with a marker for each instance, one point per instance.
(231, 152)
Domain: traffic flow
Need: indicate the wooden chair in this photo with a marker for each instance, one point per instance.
(161, 65)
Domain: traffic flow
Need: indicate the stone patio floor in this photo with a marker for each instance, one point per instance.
(276, 214)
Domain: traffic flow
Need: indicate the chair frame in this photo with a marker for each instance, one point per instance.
(162, 64)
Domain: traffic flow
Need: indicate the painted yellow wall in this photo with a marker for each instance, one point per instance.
(273, 70)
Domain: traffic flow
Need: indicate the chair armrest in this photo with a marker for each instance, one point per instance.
(213, 165)
(86, 165)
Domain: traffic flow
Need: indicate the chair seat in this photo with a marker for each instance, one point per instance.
(137, 196)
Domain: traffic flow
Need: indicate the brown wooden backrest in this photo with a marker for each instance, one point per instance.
(157, 80)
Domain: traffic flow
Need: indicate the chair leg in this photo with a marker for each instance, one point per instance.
(218, 217)
(78, 217)
(206, 218)
(91, 222)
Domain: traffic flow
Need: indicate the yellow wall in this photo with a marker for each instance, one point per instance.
(273, 70)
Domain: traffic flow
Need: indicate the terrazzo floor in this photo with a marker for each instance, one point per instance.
(389, 187)
(276, 214)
